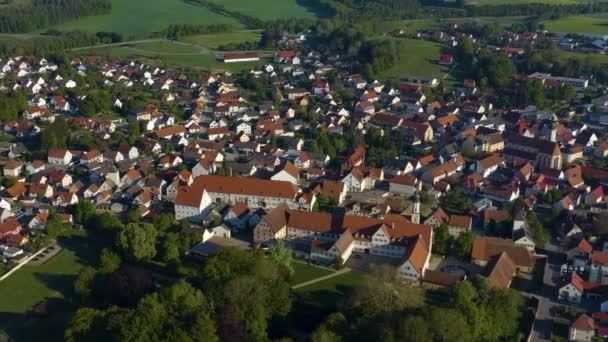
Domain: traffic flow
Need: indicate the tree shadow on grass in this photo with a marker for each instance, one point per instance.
(86, 251)
(62, 284)
(49, 327)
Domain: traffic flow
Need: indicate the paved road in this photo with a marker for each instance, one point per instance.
(202, 49)
(342, 271)
(543, 324)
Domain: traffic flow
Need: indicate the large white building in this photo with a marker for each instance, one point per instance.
(256, 193)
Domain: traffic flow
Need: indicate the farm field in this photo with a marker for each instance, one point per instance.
(268, 9)
(417, 58)
(170, 54)
(596, 23)
(142, 18)
(214, 41)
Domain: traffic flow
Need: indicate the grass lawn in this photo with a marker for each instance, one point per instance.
(141, 18)
(214, 41)
(268, 9)
(417, 58)
(305, 272)
(33, 284)
(314, 302)
(328, 292)
(596, 23)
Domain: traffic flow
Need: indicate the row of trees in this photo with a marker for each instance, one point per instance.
(176, 31)
(52, 43)
(542, 10)
(39, 14)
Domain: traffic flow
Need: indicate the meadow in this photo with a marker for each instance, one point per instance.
(596, 23)
(417, 58)
(143, 18)
(136, 19)
(268, 9)
(214, 41)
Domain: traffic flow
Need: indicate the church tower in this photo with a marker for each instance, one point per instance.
(415, 218)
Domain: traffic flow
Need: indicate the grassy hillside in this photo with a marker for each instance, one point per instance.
(580, 24)
(141, 18)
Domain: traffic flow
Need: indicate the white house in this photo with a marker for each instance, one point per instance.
(572, 289)
(190, 203)
(59, 157)
(489, 165)
(407, 185)
(289, 173)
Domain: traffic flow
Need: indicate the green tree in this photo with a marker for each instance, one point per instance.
(414, 328)
(83, 325)
(464, 244)
(383, 291)
(138, 241)
(537, 229)
(441, 243)
(84, 283)
(84, 211)
(133, 216)
(283, 256)
(110, 261)
(170, 247)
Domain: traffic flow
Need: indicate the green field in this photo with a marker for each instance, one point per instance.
(268, 9)
(169, 54)
(593, 58)
(214, 41)
(143, 18)
(305, 272)
(33, 284)
(519, 2)
(417, 58)
(165, 47)
(579, 24)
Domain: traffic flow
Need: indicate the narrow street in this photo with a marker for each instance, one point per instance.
(547, 296)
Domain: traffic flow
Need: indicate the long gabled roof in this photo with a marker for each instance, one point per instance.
(246, 186)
